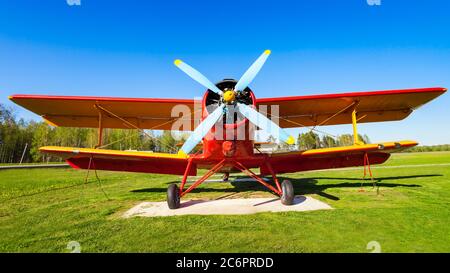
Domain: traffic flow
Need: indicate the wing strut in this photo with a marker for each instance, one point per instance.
(100, 128)
(355, 126)
(367, 166)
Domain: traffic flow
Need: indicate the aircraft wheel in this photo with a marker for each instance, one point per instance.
(287, 196)
(225, 177)
(173, 196)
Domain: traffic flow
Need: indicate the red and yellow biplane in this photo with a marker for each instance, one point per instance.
(228, 117)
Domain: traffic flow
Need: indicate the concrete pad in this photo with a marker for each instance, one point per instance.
(225, 207)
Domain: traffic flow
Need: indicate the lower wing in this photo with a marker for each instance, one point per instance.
(336, 157)
(126, 161)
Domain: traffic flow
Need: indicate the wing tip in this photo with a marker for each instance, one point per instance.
(49, 122)
(44, 149)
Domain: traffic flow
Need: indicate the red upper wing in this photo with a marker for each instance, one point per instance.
(72, 111)
(373, 106)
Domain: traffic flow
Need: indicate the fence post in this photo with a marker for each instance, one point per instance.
(23, 154)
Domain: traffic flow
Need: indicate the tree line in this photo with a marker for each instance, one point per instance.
(20, 140)
(431, 148)
(311, 140)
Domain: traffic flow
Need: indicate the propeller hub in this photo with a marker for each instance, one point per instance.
(229, 96)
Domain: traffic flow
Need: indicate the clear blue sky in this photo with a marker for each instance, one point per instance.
(127, 48)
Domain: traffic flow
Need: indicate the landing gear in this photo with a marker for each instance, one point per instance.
(285, 190)
(225, 177)
(287, 196)
(173, 196)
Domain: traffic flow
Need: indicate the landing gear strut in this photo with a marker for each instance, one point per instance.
(225, 177)
(285, 190)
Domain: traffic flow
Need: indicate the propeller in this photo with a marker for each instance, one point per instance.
(201, 130)
(264, 123)
(252, 71)
(197, 76)
(230, 97)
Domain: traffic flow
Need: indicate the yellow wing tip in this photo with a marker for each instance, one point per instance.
(43, 148)
(10, 97)
(177, 62)
(290, 140)
(49, 122)
(50, 148)
(267, 51)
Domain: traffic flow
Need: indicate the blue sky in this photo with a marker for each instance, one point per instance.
(127, 48)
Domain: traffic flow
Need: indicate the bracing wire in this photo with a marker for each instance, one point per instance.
(299, 124)
(86, 178)
(171, 147)
(99, 181)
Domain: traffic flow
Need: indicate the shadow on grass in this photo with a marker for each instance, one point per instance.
(303, 185)
(311, 186)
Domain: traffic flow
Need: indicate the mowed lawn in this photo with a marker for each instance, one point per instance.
(42, 210)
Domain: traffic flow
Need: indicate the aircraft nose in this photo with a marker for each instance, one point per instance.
(229, 96)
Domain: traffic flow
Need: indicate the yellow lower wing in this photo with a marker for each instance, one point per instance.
(72, 152)
(387, 147)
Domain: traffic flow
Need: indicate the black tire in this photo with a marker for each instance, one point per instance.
(287, 196)
(173, 196)
(225, 177)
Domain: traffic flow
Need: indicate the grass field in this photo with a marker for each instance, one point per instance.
(41, 210)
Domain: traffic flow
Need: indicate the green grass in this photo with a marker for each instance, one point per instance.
(41, 210)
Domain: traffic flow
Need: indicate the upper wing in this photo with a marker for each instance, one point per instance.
(126, 161)
(336, 157)
(332, 109)
(72, 111)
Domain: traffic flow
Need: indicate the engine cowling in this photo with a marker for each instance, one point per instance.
(211, 101)
(235, 130)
